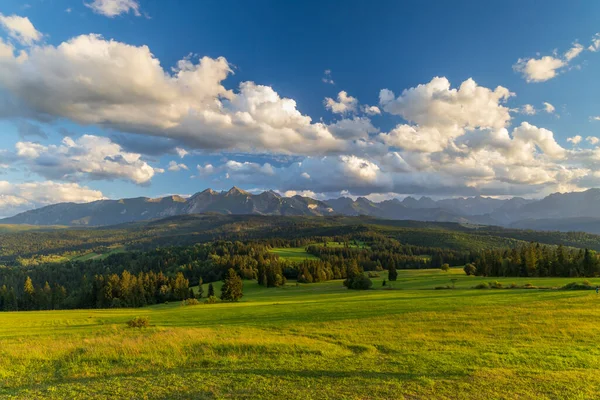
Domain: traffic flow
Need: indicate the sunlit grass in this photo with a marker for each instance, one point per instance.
(318, 341)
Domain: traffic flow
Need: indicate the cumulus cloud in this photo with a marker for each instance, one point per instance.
(528, 109)
(539, 70)
(15, 198)
(190, 105)
(112, 8)
(593, 140)
(21, 29)
(545, 68)
(440, 113)
(549, 108)
(575, 140)
(88, 157)
(174, 166)
(344, 104)
(447, 140)
(595, 118)
(371, 110)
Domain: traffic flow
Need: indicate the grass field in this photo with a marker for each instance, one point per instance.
(295, 254)
(98, 256)
(318, 341)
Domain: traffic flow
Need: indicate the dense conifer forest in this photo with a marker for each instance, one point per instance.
(146, 272)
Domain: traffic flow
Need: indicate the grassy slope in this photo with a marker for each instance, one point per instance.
(295, 254)
(318, 341)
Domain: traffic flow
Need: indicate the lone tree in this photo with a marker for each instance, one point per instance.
(232, 286)
(392, 273)
(445, 267)
(470, 269)
(211, 290)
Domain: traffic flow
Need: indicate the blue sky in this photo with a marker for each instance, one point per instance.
(98, 104)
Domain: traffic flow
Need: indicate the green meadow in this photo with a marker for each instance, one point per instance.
(294, 254)
(318, 341)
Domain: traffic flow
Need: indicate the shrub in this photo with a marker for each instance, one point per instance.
(529, 286)
(496, 285)
(139, 322)
(373, 275)
(443, 287)
(445, 267)
(360, 282)
(513, 285)
(190, 302)
(211, 300)
(482, 285)
(470, 269)
(585, 285)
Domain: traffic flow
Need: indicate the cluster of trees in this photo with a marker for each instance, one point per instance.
(535, 260)
(138, 278)
(44, 297)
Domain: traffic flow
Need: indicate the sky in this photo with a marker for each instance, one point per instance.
(127, 98)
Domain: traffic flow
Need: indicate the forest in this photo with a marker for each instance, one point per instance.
(141, 276)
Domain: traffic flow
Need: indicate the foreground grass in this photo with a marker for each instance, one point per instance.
(318, 341)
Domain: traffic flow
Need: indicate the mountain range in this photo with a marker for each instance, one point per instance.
(576, 211)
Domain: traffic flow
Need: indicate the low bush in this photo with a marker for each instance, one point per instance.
(443, 287)
(139, 322)
(373, 274)
(585, 285)
(190, 302)
(211, 300)
(496, 285)
(482, 285)
(360, 282)
(529, 286)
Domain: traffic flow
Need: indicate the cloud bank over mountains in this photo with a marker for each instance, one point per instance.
(451, 138)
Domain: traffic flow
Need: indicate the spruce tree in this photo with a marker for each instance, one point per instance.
(392, 273)
(232, 286)
(211, 290)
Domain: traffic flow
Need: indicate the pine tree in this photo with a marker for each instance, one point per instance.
(29, 292)
(392, 273)
(232, 286)
(211, 290)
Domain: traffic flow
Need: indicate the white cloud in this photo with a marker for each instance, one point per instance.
(548, 67)
(440, 114)
(371, 110)
(190, 105)
(595, 118)
(21, 29)
(573, 52)
(15, 198)
(539, 70)
(112, 8)
(181, 152)
(174, 167)
(528, 109)
(345, 104)
(593, 140)
(595, 46)
(88, 157)
(549, 108)
(575, 140)
(327, 77)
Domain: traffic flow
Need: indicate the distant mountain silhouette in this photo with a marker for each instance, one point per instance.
(560, 211)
